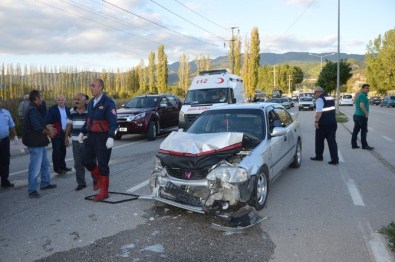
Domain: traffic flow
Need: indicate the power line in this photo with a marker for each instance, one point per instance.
(152, 22)
(201, 15)
(187, 20)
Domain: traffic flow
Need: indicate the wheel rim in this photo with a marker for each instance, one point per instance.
(298, 153)
(261, 189)
(154, 130)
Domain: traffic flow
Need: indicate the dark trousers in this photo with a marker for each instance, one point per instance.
(4, 159)
(58, 152)
(327, 132)
(360, 124)
(78, 150)
(96, 153)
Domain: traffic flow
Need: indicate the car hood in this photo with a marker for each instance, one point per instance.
(199, 144)
(134, 111)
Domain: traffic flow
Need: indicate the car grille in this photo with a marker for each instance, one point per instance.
(187, 174)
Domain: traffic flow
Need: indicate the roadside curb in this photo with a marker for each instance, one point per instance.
(21, 149)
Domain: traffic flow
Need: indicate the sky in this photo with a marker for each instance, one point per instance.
(119, 34)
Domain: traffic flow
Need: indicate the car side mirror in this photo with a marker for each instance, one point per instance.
(278, 131)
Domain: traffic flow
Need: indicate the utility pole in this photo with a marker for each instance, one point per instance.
(232, 52)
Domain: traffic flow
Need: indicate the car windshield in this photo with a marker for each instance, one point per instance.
(284, 100)
(347, 97)
(275, 100)
(142, 102)
(247, 121)
(392, 97)
(306, 99)
(206, 96)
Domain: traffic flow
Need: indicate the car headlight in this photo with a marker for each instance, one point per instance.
(135, 117)
(229, 174)
(181, 117)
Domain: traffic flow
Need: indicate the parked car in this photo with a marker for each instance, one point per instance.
(388, 101)
(291, 101)
(346, 100)
(282, 101)
(148, 114)
(227, 159)
(375, 100)
(306, 102)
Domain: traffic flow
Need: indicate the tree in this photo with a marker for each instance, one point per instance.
(162, 70)
(237, 55)
(202, 63)
(151, 73)
(250, 69)
(380, 62)
(328, 75)
(183, 73)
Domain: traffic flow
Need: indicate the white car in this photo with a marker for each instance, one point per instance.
(306, 102)
(345, 100)
(226, 160)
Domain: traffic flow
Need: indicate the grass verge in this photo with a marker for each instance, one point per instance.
(341, 118)
(389, 232)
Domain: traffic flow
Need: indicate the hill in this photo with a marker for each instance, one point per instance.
(311, 65)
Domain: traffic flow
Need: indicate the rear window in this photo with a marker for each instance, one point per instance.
(392, 97)
(347, 96)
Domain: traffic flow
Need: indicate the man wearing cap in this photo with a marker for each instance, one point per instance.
(325, 126)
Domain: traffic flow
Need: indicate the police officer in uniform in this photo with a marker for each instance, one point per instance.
(100, 127)
(325, 126)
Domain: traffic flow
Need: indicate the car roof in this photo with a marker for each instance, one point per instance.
(154, 95)
(260, 105)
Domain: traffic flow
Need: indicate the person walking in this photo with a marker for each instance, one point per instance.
(325, 126)
(57, 116)
(100, 127)
(22, 108)
(6, 124)
(360, 118)
(75, 122)
(35, 137)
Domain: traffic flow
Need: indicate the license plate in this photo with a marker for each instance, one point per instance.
(123, 129)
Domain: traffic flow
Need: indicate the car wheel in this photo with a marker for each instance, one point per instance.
(152, 131)
(298, 156)
(117, 136)
(261, 190)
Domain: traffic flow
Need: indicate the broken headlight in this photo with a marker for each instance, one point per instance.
(228, 174)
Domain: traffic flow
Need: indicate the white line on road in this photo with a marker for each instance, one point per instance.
(389, 139)
(69, 159)
(137, 187)
(354, 192)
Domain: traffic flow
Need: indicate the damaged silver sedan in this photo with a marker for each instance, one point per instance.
(225, 161)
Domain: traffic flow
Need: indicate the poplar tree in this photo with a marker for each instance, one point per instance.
(237, 55)
(183, 73)
(151, 73)
(162, 70)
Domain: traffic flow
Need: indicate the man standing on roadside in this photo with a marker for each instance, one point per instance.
(100, 127)
(22, 108)
(360, 118)
(57, 116)
(325, 126)
(6, 124)
(74, 125)
(35, 138)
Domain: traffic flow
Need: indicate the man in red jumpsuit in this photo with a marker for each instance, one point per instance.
(100, 127)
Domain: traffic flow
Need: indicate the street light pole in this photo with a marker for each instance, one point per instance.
(338, 56)
(321, 56)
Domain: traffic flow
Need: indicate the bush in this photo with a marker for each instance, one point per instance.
(389, 231)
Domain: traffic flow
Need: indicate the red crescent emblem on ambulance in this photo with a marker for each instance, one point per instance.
(220, 80)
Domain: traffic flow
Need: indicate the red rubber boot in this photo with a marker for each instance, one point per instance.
(103, 194)
(95, 173)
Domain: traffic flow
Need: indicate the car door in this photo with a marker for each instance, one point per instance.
(291, 135)
(278, 144)
(173, 110)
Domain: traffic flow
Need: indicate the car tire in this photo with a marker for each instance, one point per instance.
(152, 131)
(298, 156)
(117, 136)
(260, 192)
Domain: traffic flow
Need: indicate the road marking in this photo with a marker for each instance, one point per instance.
(69, 159)
(389, 139)
(375, 243)
(137, 187)
(354, 192)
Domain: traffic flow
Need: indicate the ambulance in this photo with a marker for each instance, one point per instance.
(210, 89)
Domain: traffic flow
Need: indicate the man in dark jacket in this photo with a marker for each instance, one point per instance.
(57, 116)
(100, 127)
(325, 126)
(35, 137)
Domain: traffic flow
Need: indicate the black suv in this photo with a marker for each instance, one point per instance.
(148, 114)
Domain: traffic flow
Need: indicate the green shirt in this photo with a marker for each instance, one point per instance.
(361, 98)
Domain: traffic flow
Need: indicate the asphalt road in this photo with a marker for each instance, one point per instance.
(318, 212)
